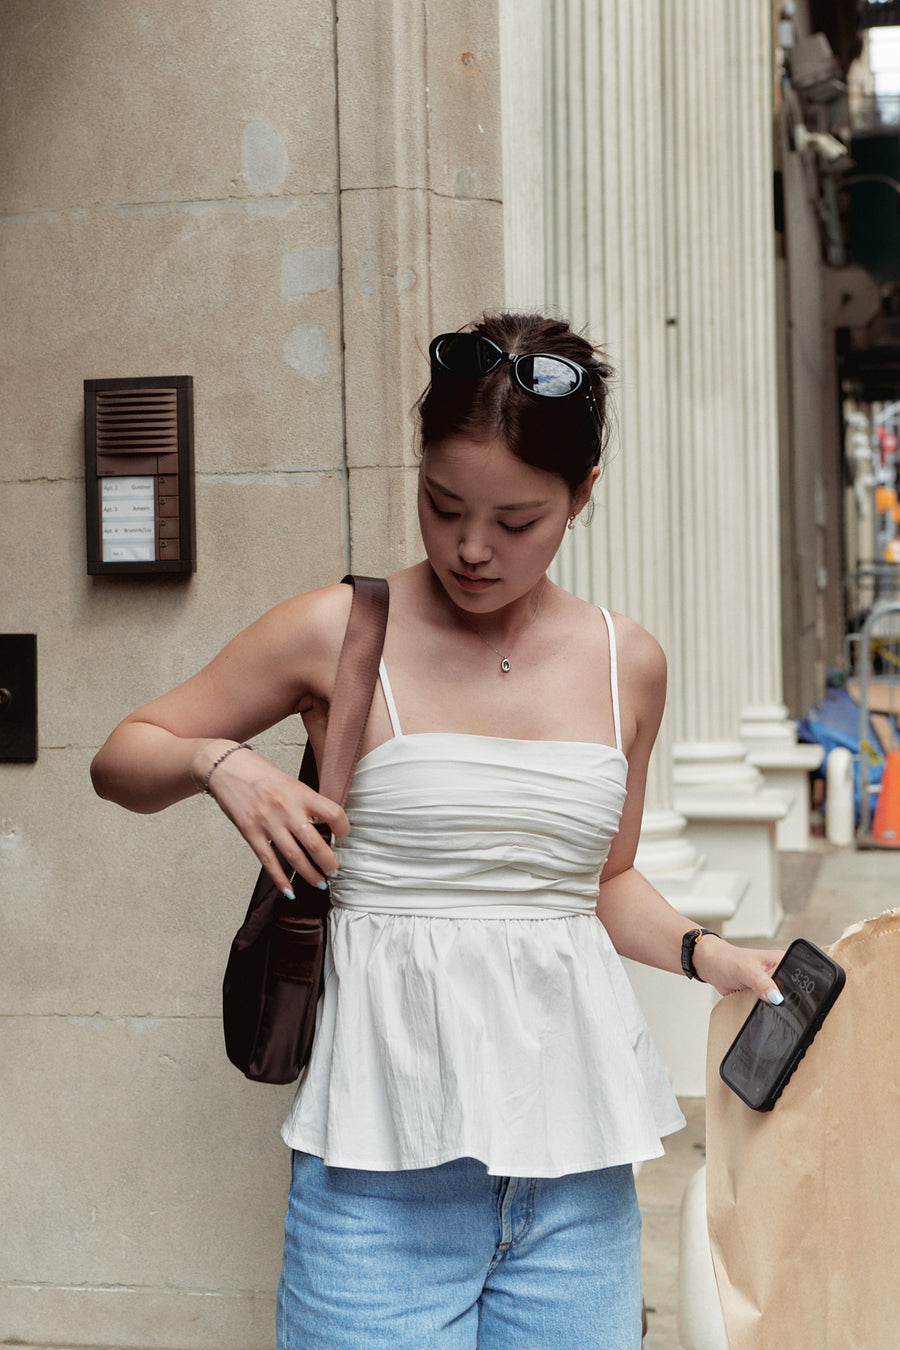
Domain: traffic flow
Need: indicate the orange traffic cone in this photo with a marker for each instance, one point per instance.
(886, 821)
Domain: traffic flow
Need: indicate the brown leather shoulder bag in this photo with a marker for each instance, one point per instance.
(275, 969)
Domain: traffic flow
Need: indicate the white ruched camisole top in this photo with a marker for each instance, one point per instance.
(474, 1005)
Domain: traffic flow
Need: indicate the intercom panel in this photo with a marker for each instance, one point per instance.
(139, 475)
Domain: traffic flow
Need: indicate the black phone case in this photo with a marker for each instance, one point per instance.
(780, 1077)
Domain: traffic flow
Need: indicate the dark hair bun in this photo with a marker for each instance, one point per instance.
(558, 435)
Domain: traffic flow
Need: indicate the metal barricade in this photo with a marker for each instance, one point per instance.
(879, 642)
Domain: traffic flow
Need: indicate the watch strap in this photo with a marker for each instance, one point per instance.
(688, 944)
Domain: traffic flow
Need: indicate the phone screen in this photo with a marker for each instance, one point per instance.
(770, 1036)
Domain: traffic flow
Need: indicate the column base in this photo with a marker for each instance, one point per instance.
(713, 766)
(787, 770)
(732, 820)
(740, 832)
(766, 726)
(677, 1010)
(770, 737)
(665, 853)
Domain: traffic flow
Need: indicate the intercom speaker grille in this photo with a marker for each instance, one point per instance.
(137, 422)
(139, 475)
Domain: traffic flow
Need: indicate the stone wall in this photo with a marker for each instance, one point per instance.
(283, 201)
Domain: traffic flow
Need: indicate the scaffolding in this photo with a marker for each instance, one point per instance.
(878, 692)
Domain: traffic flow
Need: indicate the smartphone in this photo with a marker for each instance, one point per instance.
(773, 1040)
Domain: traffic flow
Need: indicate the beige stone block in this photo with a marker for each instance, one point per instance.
(419, 90)
(243, 296)
(473, 231)
(118, 103)
(145, 1319)
(108, 644)
(463, 79)
(144, 1186)
(383, 95)
(113, 913)
(266, 537)
(387, 262)
(414, 264)
(384, 522)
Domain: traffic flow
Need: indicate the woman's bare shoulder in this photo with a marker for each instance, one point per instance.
(287, 655)
(642, 676)
(282, 663)
(311, 623)
(638, 651)
(319, 618)
(322, 612)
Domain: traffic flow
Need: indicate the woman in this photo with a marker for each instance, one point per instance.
(482, 1078)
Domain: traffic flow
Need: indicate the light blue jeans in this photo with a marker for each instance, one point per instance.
(449, 1258)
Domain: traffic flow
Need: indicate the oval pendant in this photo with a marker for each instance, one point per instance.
(504, 664)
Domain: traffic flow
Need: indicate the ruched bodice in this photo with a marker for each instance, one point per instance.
(474, 1005)
(461, 825)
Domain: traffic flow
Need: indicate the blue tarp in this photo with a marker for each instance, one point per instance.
(833, 722)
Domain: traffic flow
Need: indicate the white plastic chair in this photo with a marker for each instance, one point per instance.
(700, 1322)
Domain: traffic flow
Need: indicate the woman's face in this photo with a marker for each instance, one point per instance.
(491, 524)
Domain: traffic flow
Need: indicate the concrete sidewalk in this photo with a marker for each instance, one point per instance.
(824, 891)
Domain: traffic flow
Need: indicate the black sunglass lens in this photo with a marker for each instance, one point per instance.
(467, 355)
(547, 376)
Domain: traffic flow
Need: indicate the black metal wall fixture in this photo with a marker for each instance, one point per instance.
(18, 698)
(139, 476)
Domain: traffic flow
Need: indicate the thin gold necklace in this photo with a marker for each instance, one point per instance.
(505, 662)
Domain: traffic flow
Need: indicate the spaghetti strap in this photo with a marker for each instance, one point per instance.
(389, 698)
(613, 675)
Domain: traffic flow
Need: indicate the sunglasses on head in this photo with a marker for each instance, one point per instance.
(469, 356)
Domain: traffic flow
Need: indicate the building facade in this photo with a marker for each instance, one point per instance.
(286, 202)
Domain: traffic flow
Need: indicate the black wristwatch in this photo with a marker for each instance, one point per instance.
(688, 943)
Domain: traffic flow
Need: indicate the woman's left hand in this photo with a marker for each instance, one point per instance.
(729, 969)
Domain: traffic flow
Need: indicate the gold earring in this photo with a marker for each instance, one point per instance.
(571, 524)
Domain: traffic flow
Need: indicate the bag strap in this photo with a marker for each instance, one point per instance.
(354, 684)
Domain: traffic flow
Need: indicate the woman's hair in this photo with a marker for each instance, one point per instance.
(558, 435)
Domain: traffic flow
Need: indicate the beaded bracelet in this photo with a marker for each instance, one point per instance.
(230, 751)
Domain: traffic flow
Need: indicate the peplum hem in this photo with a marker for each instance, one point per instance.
(518, 1042)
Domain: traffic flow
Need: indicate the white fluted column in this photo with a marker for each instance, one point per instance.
(597, 190)
(769, 734)
(567, 249)
(707, 497)
(757, 427)
(721, 414)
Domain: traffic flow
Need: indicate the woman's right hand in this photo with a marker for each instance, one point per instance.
(270, 807)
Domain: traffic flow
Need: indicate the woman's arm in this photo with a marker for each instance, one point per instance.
(645, 927)
(163, 752)
(641, 923)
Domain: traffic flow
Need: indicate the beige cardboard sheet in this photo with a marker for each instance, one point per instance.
(804, 1201)
(884, 695)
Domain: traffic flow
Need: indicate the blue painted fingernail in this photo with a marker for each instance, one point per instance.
(775, 996)
(322, 885)
(288, 893)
